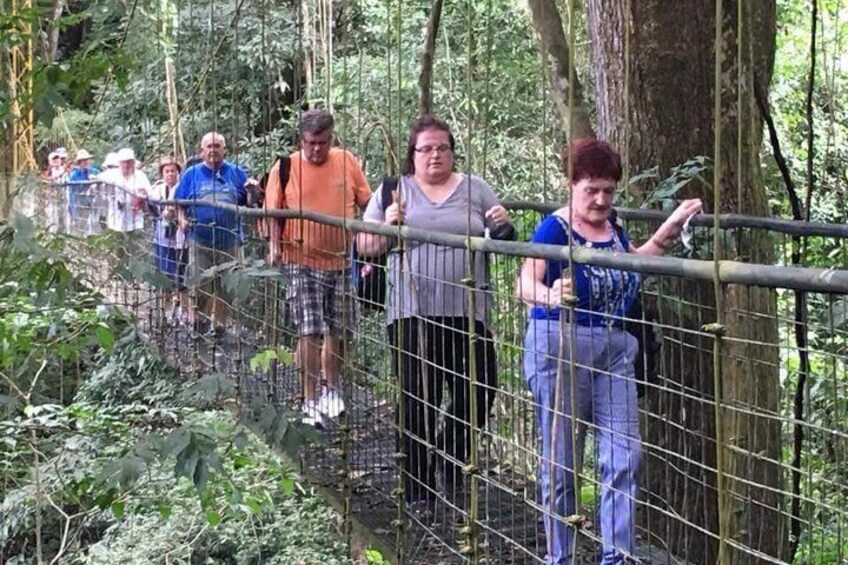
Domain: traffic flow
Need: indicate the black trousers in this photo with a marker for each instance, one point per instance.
(432, 353)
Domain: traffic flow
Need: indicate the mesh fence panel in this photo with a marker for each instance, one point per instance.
(439, 449)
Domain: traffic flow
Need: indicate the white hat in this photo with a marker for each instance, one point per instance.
(62, 152)
(82, 154)
(125, 154)
(111, 160)
(52, 155)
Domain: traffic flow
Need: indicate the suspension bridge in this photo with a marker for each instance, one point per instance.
(742, 422)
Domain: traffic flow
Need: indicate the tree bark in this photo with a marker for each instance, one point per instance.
(548, 25)
(661, 115)
(425, 78)
(53, 37)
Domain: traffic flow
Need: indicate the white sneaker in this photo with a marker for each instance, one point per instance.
(312, 415)
(331, 404)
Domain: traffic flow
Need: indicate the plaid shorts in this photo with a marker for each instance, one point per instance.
(322, 302)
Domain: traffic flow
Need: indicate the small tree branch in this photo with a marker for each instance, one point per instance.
(425, 78)
(779, 158)
(548, 25)
(53, 38)
(801, 336)
(811, 83)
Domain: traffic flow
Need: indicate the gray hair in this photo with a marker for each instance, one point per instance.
(212, 135)
(316, 121)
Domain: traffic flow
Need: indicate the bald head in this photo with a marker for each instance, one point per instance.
(212, 149)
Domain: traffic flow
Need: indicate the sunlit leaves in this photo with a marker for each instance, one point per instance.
(262, 360)
(105, 337)
(665, 189)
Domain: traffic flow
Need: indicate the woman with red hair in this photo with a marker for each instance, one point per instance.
(587, 359)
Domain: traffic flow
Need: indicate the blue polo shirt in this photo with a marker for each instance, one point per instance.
(214, 228)
(79, 175)
(604, 295)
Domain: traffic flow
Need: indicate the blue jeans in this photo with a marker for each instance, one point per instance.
(605, 392)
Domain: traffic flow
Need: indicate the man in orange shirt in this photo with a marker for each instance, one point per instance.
(326, 180)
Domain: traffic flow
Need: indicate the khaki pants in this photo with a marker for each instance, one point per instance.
(212, 298)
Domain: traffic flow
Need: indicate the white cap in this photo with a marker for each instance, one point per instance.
(82, 154)
(52, 154)
(62, 152)
(125, 154)
(111, 160)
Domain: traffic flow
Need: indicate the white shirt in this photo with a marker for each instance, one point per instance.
(160, 227)
(119, 191)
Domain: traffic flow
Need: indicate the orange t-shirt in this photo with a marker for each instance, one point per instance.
(335, 188)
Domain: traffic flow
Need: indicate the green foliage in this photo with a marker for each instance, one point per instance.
(830, 113)
(113, 473)
(665, 190)
(137, 464)
(132, 375)
(262, 360)
(49, 324)
(374, 557)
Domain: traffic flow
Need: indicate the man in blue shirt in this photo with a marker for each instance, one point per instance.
(215, 233)
(80, 192)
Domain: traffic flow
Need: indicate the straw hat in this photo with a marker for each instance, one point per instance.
(169, 160)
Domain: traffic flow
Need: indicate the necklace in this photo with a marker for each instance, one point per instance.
(585, 229)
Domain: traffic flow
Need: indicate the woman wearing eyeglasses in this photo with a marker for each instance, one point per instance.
(428, 306)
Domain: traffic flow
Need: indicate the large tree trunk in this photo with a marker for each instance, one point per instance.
(662, 116)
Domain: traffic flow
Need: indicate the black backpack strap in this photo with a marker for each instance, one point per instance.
(285, 170)
(389, 185)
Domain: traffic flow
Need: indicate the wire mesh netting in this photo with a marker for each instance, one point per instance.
(469, 427)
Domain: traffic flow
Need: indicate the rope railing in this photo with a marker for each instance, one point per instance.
(727, 221)
(729, 272)
(497, 515)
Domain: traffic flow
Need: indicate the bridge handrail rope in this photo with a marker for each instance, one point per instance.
(727, 272)
(727, 221)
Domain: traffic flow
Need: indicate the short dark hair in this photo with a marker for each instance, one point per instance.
(316, 121)
(422, 124)
(590, 158)
(192, 161)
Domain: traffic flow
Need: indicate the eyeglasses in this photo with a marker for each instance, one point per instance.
(427, 149)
